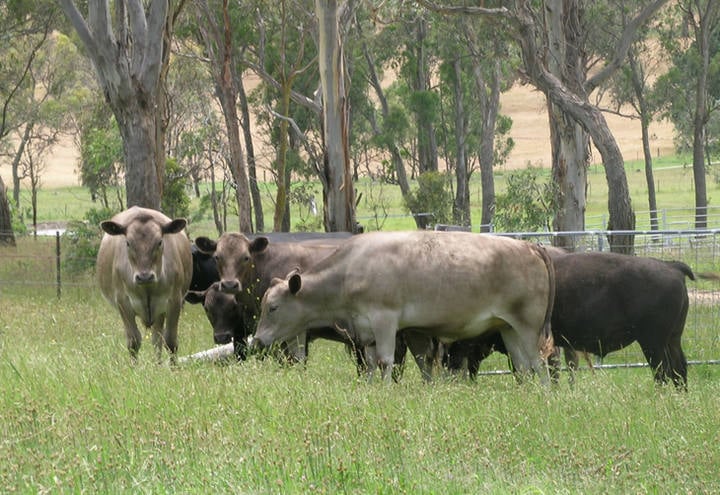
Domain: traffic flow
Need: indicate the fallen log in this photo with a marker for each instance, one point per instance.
(215, 354)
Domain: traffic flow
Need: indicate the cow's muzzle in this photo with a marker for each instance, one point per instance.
(257, 343)
(143, 278)
(230, 286)
(222, 338)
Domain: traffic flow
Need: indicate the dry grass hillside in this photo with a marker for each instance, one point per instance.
(530, 131)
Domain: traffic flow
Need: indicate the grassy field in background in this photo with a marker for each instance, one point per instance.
(77, 417)
(381, 206)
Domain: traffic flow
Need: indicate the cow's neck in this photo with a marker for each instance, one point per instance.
(322, 293)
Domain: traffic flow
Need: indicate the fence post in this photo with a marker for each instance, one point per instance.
(57, 264)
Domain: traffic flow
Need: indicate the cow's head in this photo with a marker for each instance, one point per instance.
(281, 315)
(144, 242)
(223, 311)
(234, 255)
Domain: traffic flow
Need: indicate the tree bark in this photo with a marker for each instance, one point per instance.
(592, 121)
(704, 31)
(7, 236)
(339, 204)
(128, 65)
(427, 142)
(461, 206)
(570, 144)
(250, 148)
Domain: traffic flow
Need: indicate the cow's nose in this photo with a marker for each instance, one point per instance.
(222, 338)
(230, 286)
(144, 278)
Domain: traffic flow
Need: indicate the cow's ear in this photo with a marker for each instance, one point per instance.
(205, 244)
(294, 282)
(259, 244)
(195, 296)
(175, 226)
(112, 228)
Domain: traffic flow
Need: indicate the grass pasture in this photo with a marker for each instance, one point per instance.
(77, 417)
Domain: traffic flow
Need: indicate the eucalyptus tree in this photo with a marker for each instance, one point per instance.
(339, 195)
(284, 55)
(25, 28)
(633, 85)
(54, 88)
(540, 29)
(128, 42)
(691, 87)
(478, 71)
(215, 25)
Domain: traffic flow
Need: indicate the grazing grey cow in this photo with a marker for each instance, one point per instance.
(605, 302)
(144, 267)
(449, 285)
(246, 268)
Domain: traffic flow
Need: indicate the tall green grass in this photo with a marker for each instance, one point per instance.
(76, 416)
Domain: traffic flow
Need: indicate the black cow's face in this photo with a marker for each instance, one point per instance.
(234, 256)
(223, 311)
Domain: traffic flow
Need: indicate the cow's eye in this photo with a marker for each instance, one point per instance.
(246, 259)
(272, 309)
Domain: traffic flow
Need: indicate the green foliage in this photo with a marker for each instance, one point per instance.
(303, 196)
(431, 196)
(82, 241)
(175, 201)
(101, 155)
(527, 204)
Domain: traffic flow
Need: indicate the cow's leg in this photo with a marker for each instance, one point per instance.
(384, 325)
(371, 363)
(423, 349)
(171, 328)
(655, 356)
(159, 335)
(522, 346)
(676, 367)
(132, 333)
(554, 365)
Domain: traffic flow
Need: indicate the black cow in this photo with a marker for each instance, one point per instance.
(605, 302)
(205, 271)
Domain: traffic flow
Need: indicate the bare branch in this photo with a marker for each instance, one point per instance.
(623, 45)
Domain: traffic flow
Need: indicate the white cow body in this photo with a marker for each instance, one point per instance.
(450, 285)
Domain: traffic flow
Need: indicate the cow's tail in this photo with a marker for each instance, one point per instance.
(546, 344)
(687, 271)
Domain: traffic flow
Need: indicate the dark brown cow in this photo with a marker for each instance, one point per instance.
(605, 302)
(450, 285)
(144, 268)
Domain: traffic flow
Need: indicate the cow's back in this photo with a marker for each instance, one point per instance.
(605, 301)
(437, 279)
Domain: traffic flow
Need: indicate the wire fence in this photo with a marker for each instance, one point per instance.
(43, 261)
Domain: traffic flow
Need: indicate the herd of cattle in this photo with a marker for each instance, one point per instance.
(453, 296)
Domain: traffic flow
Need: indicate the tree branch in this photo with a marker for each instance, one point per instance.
(623, 45)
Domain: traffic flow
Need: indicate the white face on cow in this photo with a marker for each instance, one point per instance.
(280, 312)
